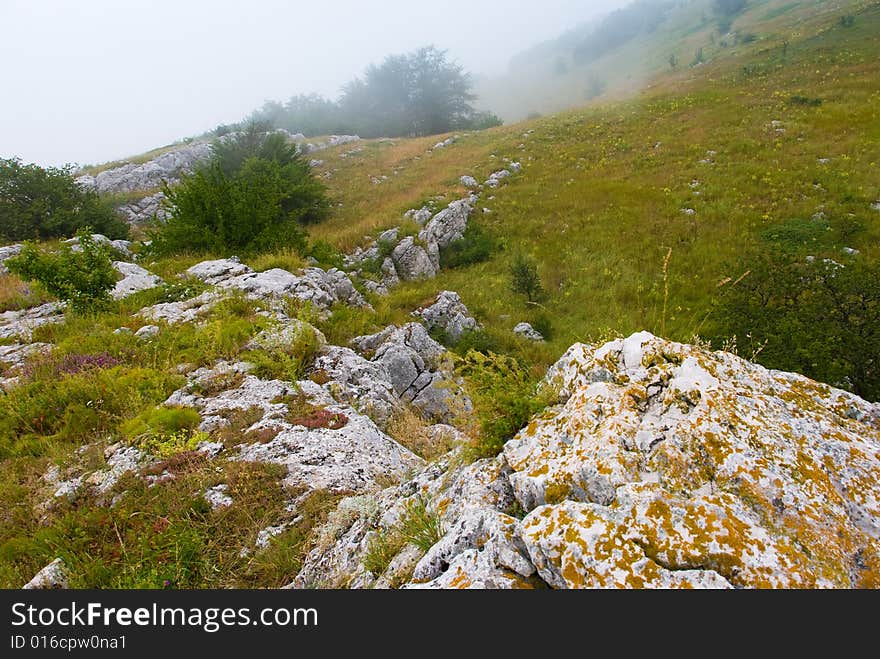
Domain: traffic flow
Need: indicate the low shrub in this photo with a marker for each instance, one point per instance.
(84, 278)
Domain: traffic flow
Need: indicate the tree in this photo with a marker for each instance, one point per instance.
(728, 7)
(419, 93)
(524, 278)
(254, 195)
(37, 203)
(83, 277)
(814, 316)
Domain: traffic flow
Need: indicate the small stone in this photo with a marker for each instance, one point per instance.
(147, 332)
(53, 576)
(526, 331)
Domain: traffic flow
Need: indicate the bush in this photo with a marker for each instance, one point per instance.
(254, 195)
(38, 203)
(83, 278)
(524, 278)
(165, 431)
(815, 317)
(505, 395)
(475, 246)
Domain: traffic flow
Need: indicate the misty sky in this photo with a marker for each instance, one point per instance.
(88, 81)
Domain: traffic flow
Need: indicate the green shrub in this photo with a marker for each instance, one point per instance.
(165, 431)
(254, 195)
(420, 526)
(325, 254)
(83, 278)
(505, 395)
(816, 317)
(475, 246)
(37, 203)
(77, 407)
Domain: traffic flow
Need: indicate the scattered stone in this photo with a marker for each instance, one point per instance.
(147, 332)
(217, 496)
(420, 215)
(469, 182)
(6, 252)
(448, 225)
(21, 324)
(850, 251)
(496, 178)
(526, 331)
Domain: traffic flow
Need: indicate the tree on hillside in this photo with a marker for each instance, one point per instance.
(255, 194)
(37, 203)
(728, 7)
(421, 93)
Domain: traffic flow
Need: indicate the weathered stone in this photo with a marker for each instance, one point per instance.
(412, 261)
(6, 252)
(526, 331)
(448, 225)
(689, 460)
(147, 332)
(167, 167)
(53, 576)
(123, 247)
(449, 314)
(217, 496)
(16, 354)
(186, 311)
(214, 272)
(420, 215)
(469, 182)
(134, 279)
(21, 324)
(147, 210)
(496, 178)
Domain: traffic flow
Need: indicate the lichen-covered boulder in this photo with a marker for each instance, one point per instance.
(134, 279)
(682, 459)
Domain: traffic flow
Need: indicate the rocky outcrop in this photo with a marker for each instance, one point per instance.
(145, 211)
(122, 247)
(21, 324)
(324, 445)
(322, 288)
(663, 466)
(168, 167)
(449, 314)
(6, 252)
(417, 369)
(413, 261)
(448, 225)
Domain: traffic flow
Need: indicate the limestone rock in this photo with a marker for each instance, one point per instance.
(53, 576)
(448, 225)
(15, 354)
(169, 166)
(526, 331)
(147, 332)
(217, 496)
(412, 261)
(683, 459)
(449, 314)
(6, 252)
(363, 384)
(420, 215)
(146, 210)
(21, 324)
(214, 272)
(469, 182)
(186, 311)
(134, 279)
(496, 178)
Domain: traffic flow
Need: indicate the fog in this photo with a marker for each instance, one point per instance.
(95, 80)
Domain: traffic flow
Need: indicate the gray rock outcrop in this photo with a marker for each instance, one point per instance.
(449, 314)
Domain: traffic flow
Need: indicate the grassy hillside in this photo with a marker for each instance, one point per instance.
(605, 190)
(625, 52)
